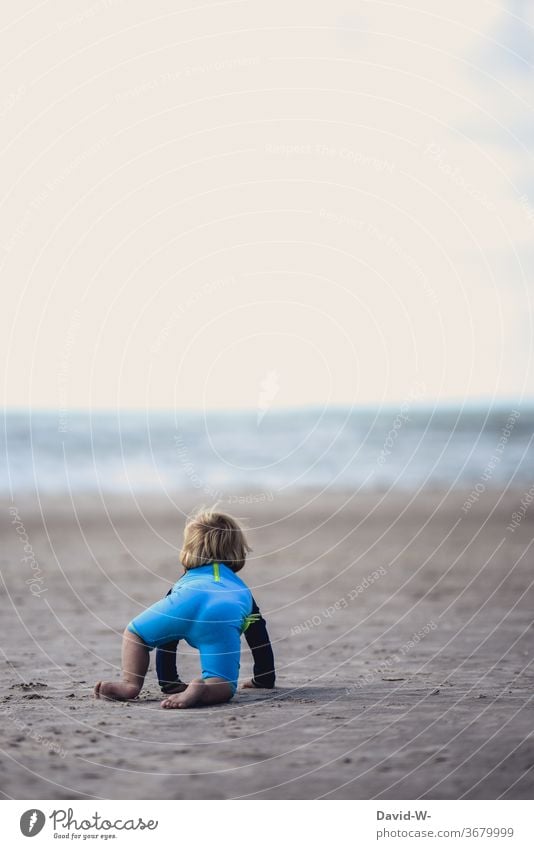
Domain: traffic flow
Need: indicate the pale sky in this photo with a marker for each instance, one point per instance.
(278, 204)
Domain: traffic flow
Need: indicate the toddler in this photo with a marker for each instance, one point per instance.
(209, 607)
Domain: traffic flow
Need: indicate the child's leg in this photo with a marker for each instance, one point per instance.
(201, 691)
(220, 669)
(135, 659)
(168, 678)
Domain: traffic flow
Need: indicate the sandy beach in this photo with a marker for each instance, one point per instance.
(402, 629)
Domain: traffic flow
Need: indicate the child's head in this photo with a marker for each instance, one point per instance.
(211, 536)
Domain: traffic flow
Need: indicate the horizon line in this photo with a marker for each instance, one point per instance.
(415, 404)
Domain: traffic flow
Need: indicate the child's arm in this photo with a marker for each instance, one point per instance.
(168, 678)
(260, 645)
(166, 670)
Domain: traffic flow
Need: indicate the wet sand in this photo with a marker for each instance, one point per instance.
(402, 629)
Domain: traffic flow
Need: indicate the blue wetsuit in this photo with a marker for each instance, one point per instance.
(209, 608)
(258, 641)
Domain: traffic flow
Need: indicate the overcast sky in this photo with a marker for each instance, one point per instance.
(277, 204)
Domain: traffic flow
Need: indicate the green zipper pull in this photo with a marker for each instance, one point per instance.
(216, 573)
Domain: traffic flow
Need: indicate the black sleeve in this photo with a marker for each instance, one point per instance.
(166, 664)
(260, 645)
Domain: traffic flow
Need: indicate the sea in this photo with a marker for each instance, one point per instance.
(256, 455)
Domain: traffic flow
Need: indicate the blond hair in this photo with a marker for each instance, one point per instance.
(211, 537)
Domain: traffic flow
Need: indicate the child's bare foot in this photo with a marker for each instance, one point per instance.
(189, 697)
(116, 691)
(201, 691)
